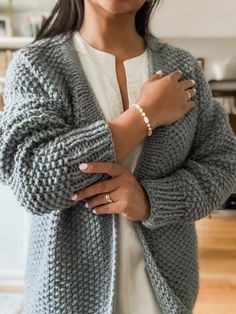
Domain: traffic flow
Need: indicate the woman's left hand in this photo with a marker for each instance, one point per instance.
(129, 198)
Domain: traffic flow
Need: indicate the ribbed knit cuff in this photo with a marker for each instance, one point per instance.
(167, 202)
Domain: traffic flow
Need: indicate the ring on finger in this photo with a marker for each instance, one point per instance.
(108, 198)
(189, 95)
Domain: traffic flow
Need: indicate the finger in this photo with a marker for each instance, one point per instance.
(111, 208)
(187, 84)
(190, 93)
(158, 75)
(97, 200)
(104, 186)
(100, 200)
(176, 75)
(111, 168)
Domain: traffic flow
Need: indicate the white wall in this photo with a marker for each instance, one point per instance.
(196, 18)
(206, 28)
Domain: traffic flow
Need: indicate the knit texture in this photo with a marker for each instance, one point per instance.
(51, 123)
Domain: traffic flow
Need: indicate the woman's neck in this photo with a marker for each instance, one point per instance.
(115, 33)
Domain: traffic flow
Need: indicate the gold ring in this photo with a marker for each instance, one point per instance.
(189, 95)
(108, 198)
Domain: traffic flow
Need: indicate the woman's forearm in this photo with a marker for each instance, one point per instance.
(128, 130)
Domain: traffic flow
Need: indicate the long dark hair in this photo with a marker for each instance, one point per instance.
(67, 17)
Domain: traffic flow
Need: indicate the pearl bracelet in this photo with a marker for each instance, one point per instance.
(145, 118)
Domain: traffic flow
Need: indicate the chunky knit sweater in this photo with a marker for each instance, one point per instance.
(51, 124)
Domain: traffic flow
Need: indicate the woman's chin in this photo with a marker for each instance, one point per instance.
(117, 7)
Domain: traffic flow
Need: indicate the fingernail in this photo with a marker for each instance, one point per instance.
(94, 211)
(193, 82)
(83, 166)
(159, 72)
(179, 71)
(86, 205)
(74, 197)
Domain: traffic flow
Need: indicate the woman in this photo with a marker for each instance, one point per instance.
(109, 134)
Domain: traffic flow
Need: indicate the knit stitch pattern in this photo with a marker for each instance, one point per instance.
(51, 123)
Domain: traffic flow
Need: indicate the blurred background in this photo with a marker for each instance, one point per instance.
(206, 28)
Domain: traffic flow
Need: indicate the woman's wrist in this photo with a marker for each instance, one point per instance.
(144, 116)
(152, 116)
(128, 130)
(138, 121)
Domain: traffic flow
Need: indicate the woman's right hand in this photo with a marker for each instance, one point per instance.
(164, 99)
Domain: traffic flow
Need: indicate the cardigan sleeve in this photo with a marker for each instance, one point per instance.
(40, 151)
(207, 176)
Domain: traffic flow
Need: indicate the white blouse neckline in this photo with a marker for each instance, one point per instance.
(104, 57)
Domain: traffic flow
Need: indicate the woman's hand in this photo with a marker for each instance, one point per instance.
(165, 99)
(129, 198)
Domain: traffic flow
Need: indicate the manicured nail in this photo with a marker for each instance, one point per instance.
(179, 71)
(86, 205)
(193, 82)
(159, 72)
(74, 197)
(94, 211)
(83, 166)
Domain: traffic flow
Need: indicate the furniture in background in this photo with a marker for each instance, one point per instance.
(225, 92)
(8, 47)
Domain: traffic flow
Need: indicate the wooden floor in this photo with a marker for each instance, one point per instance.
(217, 257)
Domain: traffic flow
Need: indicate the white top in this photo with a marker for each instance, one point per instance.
(134, 293)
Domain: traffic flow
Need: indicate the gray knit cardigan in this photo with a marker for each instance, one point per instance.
(52, 122)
